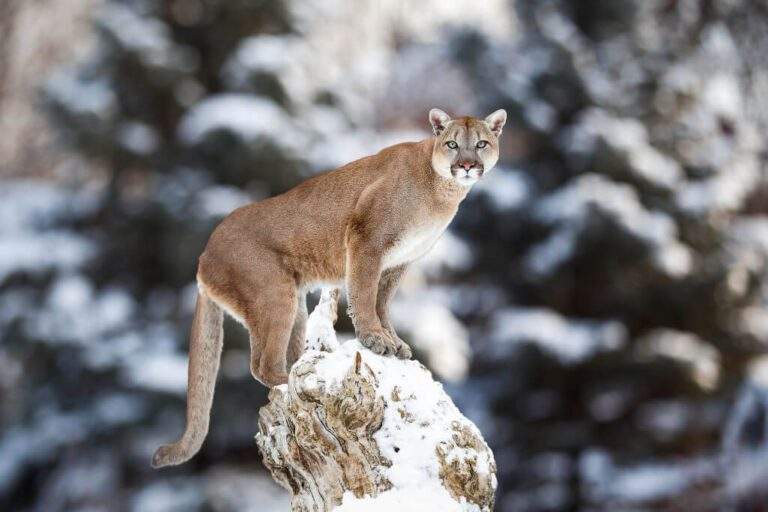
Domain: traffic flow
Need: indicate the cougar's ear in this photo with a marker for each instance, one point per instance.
(496, 121)
(439, 120)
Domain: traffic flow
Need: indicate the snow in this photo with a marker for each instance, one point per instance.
(745, 436)
(162, 372)
(410, 445)
(747, 473)
(750, 231)
(437, 333)
(703, 104)
(722, 95)
(137, 137)
(146, 38)
(321, 335)
(649, 482)
(266, 52)
(753, 321)
(37, 253)
(621, 201)
(244, 490)
(220, 200)
(606, 138)
(29, 241)
(70, 293)
(74, 313)
(554, 251)
(725, 191)
(686, 348)
(101, 322)
(81, 96)
(425, 317)
(570, 208)
(414, 244)
(132, 31)
(249, 117)
(69, 305)
(758, 372)
(28, 204)
(168, 496)
(506, 189)
(333, 149)
(414, 499)
(346, 47)
(450, 253)
(568, 340)
(52, 429)
(604, 481)
(540, 115)
(263, 53)
(491, 17)
(419, 418)
(674, 259)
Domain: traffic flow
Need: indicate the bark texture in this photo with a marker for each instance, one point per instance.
(353, 429)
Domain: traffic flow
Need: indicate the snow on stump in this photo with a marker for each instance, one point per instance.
(355, 431)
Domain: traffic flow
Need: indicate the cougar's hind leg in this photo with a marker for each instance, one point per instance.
(298, 342)
(270, 318)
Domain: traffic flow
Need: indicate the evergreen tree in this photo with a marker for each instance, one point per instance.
(627, 249)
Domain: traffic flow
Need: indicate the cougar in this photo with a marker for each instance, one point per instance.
(361, 224)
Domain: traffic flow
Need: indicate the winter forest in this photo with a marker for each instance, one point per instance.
(598, 308)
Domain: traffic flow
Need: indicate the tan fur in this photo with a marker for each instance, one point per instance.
(362, 223)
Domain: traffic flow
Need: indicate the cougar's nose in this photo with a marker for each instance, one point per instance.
(467, 165)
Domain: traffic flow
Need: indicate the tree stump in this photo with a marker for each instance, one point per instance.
(355, 431)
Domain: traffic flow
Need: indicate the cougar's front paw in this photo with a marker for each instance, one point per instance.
(378, 341)
(403, 351)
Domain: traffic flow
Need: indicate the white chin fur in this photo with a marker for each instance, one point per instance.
(466, 181)
(467, 178)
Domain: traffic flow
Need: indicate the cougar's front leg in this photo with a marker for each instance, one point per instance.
(390, 280)
(363, 272)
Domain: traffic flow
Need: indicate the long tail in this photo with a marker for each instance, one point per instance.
(204, 355)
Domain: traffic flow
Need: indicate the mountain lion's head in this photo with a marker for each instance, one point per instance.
(467, 147)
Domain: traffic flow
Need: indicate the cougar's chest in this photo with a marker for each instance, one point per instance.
(414, 243)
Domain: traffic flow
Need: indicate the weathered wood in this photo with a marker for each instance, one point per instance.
(358, 430)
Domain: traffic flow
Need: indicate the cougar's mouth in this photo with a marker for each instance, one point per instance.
(471, 174)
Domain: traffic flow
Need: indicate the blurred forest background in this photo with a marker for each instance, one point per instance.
(598, 308)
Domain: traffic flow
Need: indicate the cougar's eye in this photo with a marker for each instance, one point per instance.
(482, 144)
(452, 144)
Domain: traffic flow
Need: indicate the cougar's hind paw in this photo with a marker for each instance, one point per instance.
(272, 376)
